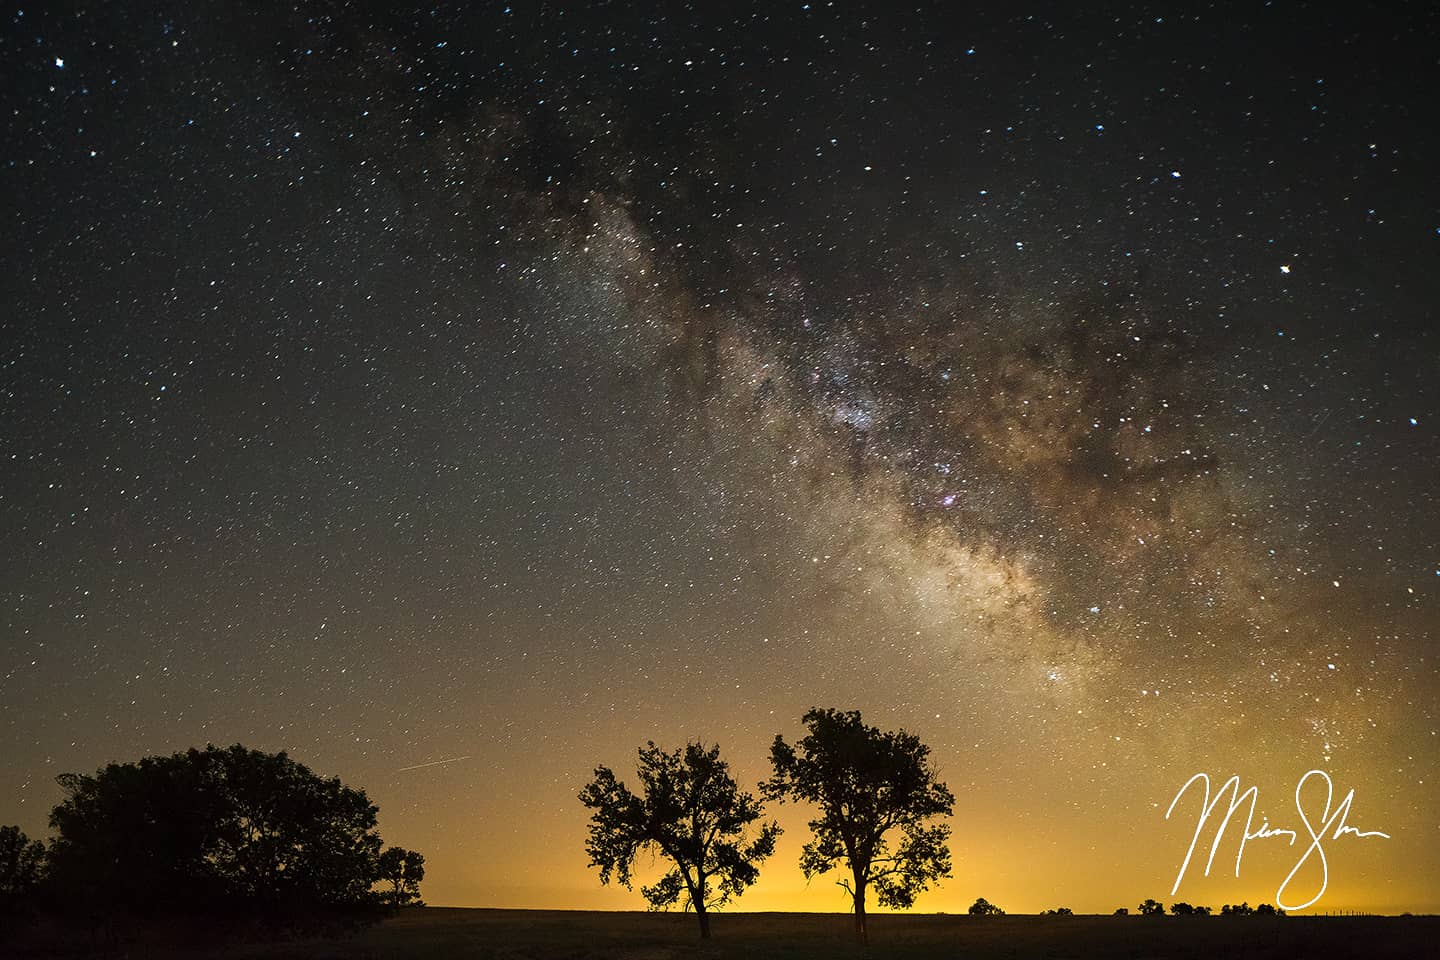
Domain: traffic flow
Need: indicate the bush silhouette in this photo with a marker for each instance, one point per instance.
(984, 908)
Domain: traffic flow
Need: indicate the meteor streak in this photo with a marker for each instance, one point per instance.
(432, 763)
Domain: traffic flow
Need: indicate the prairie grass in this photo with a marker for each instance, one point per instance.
(433, 933)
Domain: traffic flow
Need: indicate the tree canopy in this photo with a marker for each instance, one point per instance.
(691, 812)
(869, 786)
(402, 870)
(22, 862)
(214, 827)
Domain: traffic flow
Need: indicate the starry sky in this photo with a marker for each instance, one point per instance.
(509, 385)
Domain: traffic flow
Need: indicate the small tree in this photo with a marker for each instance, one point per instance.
(692, 813)
(1121, 912)
(1152, 908)
(403, 870)
(22, 862)
(1181, 909)
(866, 784)
(984, 908)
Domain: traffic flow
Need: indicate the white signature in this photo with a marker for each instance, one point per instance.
(1328, 820)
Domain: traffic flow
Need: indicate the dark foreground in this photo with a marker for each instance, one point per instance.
(427, 933)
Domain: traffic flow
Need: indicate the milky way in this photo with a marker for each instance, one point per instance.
(410, 386)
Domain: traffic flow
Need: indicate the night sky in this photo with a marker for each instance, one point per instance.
(511, 386)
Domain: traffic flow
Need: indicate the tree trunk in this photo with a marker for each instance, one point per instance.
(860, 932)
(699, 891)
(704, 921)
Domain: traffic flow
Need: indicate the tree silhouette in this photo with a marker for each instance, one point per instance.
(236, 829)
(691, 812)
(1152, 908)
(403, 870)
(1181, 909)
(866, 784)
(984, 908)
(22, 862)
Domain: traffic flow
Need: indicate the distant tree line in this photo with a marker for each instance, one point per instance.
(243, 838)
(1154, 908)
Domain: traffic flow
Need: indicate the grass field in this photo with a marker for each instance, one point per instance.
(540, 934)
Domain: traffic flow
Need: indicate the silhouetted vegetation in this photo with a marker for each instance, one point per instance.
(1154, 908)
(1059, 912)
(1121, 912)
(219, 840)
(403, 870)
(984, 908)
(691, 812)
(1245, 910)
(22, 865)
(867, 783)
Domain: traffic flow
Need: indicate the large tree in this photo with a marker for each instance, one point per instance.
(876, 793)
(215, 828)
(691, 812)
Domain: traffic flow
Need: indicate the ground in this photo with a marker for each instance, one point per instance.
(562, 935)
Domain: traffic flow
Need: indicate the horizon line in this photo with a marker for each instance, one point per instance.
(1335, 913)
